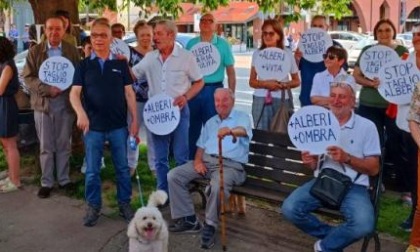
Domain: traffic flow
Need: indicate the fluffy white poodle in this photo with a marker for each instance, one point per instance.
(147, 231)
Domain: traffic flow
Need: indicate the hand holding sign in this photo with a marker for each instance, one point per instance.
(374, 58)
(207, 57)
(57, 71)
(160, 116)
(397, 81)
(314, 43)
(273, 64)
(313, 129)
(119, 47)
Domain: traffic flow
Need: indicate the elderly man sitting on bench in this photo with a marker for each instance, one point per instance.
(227, 124)
(358, 153)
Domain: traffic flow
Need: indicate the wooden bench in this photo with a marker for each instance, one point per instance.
(275, 169)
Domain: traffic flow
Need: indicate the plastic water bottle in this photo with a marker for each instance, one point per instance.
(133, 141)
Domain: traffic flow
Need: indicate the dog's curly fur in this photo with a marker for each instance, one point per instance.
(147, 231)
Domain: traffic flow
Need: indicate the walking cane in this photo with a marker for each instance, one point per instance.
(222, 193)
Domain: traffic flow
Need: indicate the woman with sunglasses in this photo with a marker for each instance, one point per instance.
(334, 59)
(267, 94)
(371, 104)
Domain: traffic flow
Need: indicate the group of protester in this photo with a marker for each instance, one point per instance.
(108, 95)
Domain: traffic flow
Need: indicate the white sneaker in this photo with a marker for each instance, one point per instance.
(317, 246)
(4, 174)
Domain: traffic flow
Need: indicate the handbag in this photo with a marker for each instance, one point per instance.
(281, 117)
(331, 186)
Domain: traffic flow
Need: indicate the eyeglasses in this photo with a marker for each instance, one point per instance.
(206, 20)
(317, 26)
(270, 34)
(98, 35)
(329, 56)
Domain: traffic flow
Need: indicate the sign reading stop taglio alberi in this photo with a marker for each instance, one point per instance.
(207, 57)
(314, 43)
(161, 117)
(397, 81)
(313, 128)
(57, 71)
(374, 58)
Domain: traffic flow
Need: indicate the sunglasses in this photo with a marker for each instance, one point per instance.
(329, 56)
(270, 34)
(340, 84)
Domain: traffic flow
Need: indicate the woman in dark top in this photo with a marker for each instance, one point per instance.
(144, 34)
(9, 85)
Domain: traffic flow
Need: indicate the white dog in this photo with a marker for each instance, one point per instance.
(147, 231)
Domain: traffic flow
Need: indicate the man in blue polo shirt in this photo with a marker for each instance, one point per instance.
(107, 93)
(309, 69)
(202, 106)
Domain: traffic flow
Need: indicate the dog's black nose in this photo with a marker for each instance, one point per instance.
(149, 225)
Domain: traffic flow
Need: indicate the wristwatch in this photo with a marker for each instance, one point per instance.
(348, 159)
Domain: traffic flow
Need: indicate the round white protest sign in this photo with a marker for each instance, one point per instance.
(273, 63)
(374, 58)
(161, 117)
(207, 57)
(118, 46)
(57, 71)
(397, 81)
(313, 128)
(314, 43)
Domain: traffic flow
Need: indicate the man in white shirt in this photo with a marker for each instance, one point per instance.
(173, 71)
(356, 156)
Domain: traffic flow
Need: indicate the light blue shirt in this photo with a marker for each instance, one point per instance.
(100, 60)
(238, 151)
(56, 51)
(226, 57)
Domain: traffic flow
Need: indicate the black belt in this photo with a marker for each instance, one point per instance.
(213, 84)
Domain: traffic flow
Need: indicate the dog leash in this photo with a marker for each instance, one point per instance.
(139, 186)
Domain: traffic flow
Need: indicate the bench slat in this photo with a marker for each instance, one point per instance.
(271, 137)
(279, 164)
(275, 151)
(268, 185)
(277, 175)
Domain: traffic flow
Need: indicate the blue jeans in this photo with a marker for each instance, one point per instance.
(94, 144)
(180, 149)
(202, 108)
(356, 208)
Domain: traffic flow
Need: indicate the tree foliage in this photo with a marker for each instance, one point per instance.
(338, 8)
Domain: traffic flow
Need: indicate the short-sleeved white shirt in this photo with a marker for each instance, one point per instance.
(262, 92)
(321, 83)
(359, 138)
(172, 76)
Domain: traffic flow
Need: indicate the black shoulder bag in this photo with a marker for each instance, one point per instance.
(331, 186)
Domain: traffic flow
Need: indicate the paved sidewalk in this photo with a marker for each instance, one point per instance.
(28, 223)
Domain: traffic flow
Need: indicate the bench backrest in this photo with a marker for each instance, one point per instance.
(274, 164)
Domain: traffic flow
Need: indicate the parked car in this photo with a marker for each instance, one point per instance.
(347, 39)
(407, 39)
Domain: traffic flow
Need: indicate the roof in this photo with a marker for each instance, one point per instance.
(235, 12)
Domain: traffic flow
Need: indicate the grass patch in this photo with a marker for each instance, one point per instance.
(391, 214)
(392, 211)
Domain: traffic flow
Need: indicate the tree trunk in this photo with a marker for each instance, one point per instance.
(45, 8)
